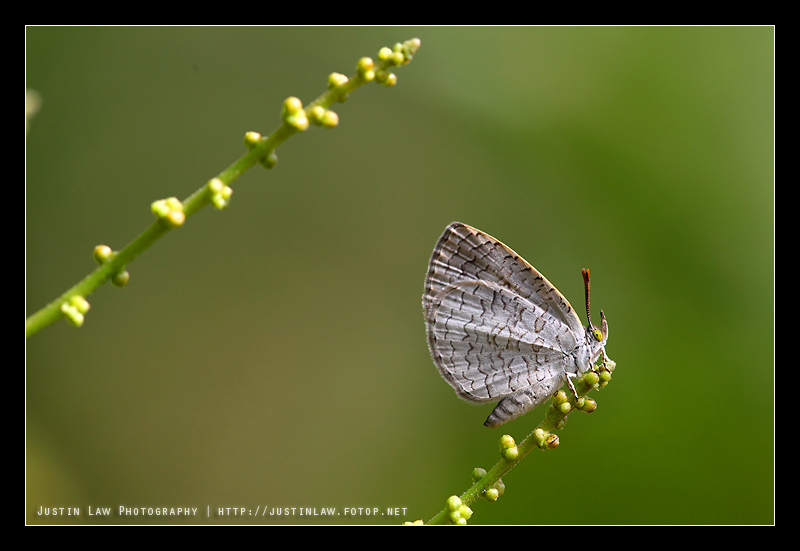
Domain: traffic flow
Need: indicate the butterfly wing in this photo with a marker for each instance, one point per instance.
(489, 342)
(464, 253)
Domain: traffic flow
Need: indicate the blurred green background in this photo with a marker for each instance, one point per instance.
(274, 354)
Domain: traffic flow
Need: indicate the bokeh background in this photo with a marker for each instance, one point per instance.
(273, 354)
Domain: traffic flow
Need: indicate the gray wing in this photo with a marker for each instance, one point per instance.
(489, 342)
(464, 253)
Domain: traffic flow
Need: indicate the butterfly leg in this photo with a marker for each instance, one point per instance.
(572, 387)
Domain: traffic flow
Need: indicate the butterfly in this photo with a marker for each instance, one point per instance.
(498, 330)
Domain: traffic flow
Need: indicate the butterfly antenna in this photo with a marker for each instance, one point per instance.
(585, 273)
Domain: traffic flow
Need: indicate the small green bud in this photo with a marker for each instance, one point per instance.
(170, 211)
(506, 441)
(102, 254)
(456, 518)
(539, 435)
(565, 408)
(159, 208)
(72, 314)
(511, 453)
(175, 218)
(508, 448)
(215, 185)
(478, 473)
(292, 113)
(384, 54)
(453, 503)
(491, 494)
(292, 105)
(270, 160)
(220, 193)
(545, 440)
(560, 397)
(366, 68)
(80, 304)
(330, 119)
(386, 78)
(589, 405)
(316, 113)
(336, 79)
(405, 51)
(220, 200)
(500, 486)
(591, 378)
(465, 512)
(323, 117)
(120, 279)
(174, 203)
(251, 139)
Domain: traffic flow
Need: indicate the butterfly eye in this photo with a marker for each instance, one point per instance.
(598, 336)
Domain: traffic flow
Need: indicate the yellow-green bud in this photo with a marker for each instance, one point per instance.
(511, 453)
(591, 378)
(478, 473)
(80, 304)
(293, 114)
(385, 53)
(453, 503)
(102, 254)
(175, 218)
(336, 79)
(270, 160)
(589, 405)
(215, 185)
(456, 518)
(412, 45)
(391, 80)
(366, 68)
(251, 139)
(120, 279)
(386, 78)
(506, 441)
(170, 210)
(72, 314)
(323, 117)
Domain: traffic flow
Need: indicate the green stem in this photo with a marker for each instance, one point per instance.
(554, 419)
(202, 197)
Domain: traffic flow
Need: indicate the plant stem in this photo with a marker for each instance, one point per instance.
(554, 419)
(258, 151)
